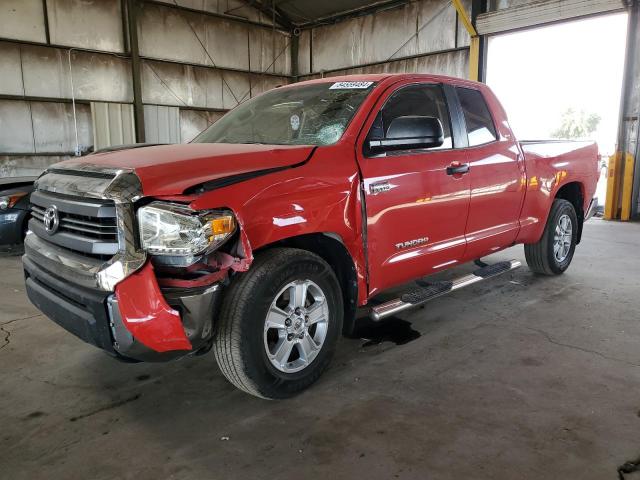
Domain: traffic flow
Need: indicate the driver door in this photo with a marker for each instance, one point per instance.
(417, 200)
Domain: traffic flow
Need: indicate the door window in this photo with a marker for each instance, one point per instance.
(413, 100)
(480, 128)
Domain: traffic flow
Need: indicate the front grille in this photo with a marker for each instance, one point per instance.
(85, 226)
(104, 229)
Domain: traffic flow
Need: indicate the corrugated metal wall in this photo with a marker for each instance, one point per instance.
(113, 124)
(507, 15)
(162, 124)
(46, 46)
(32, 127)
(423, 36)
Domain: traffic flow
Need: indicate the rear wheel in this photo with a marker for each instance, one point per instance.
(553, 253)
(279, 323)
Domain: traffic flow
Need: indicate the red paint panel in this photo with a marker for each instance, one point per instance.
(321, 196)
(171, 169)
(497, 191)
(147, 315)
(550, 166)
(423, 202)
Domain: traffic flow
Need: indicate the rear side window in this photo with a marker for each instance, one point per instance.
(480, 128)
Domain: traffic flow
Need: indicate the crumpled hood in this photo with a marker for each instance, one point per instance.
(171, 169)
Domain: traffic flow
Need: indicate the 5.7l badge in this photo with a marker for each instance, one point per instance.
(412, 243)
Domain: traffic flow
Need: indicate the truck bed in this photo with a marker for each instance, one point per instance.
(549, 165)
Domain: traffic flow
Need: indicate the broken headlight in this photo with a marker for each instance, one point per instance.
(177, 230)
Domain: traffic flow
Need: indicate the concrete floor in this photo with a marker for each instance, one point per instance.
(520, 377)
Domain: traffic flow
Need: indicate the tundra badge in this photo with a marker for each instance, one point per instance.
(379, 187)
(412, 243)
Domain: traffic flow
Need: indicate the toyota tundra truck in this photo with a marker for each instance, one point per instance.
(264, 236)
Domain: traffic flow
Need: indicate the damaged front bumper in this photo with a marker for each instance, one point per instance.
(88, 272)
(138, 321)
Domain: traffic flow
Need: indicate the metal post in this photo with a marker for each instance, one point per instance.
(633, 47)
(626, 199)
(295, 43)
(475, 48)
(478, 7)
(132, 29)
(45, 14)
(125, 26)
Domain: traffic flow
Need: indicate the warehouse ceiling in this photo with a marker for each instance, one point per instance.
(304, 13)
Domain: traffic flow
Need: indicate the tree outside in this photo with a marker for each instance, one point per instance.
(577, 125)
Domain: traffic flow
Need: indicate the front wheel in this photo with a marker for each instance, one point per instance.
(553, 253)
(279, 323)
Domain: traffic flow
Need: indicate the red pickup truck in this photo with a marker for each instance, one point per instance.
(262, 237)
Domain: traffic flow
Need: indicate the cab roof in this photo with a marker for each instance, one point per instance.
(390, 78)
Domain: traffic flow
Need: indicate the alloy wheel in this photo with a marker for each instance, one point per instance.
(296, 326)
(562, 238)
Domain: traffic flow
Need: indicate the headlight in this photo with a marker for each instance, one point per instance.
(9, 201)
(173, 229)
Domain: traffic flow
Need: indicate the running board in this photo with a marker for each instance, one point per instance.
(428, 291)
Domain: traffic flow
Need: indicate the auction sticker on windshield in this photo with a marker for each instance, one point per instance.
(295, 122)
(339, 85)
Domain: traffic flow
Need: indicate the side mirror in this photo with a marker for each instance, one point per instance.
(408, 133)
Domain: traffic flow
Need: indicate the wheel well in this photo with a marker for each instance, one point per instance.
(331, 249)
(572, 192)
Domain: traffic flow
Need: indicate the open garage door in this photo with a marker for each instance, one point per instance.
(539, 13)
(563, 80)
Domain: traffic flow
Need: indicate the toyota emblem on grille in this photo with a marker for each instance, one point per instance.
(51, 220)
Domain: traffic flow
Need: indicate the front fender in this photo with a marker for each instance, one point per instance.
(320, 196)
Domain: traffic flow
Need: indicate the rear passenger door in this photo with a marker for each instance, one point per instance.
(416, 206)
(496, 172)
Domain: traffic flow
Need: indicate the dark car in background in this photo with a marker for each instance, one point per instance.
(14, 211)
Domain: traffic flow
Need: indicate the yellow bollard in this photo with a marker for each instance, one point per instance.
(627, 187)
(613, 177)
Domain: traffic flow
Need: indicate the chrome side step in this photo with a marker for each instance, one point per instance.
(429, 291)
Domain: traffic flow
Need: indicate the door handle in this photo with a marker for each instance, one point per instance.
(458, 169)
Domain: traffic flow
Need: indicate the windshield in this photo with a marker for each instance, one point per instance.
(315, 114)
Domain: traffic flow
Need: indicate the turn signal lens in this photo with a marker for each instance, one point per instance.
(221, 227)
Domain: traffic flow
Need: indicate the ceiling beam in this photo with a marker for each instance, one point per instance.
(356, 12)
(269, 8)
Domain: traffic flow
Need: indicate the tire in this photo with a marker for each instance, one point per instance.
(248, 352)
(541, 257)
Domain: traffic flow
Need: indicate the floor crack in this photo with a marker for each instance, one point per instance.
(18, 319)
(6, 338)
(7, 333)
(107, 407)
(576, 347)
(561, 344)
